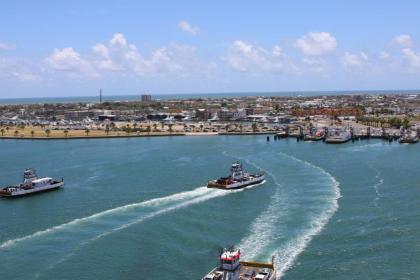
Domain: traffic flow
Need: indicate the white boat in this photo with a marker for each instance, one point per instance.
(238, 179)
(338, 136)
(31, 184)
(232, 268)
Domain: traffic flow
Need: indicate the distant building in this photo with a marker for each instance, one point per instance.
(146, 98)
(76, 115)
(202, 114)
(225, 114)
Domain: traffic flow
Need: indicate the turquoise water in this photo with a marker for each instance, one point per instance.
(137, 208)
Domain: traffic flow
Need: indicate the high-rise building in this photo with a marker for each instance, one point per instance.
(146, 97)
(100, 95)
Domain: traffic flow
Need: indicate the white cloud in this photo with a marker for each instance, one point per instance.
(7, 47)
(187, 27)
(19, 69)
(403, 40)
(384, 55)
(350, 60)
(316, 65)
(118, 55)
(68, 60)
(245, 57)
(118, 39)
(411, 58)
(317, 43)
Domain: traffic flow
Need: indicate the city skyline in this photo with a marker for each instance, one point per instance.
(50, 50)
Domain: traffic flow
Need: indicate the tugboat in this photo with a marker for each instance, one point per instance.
(237, 180)
(231, 268)
(31, 184)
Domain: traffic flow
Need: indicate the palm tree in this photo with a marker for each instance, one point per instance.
(254, 127)
(135, 125)
(170, 127)
(2, 131)
(87, 131)
(107, 130)
(148, 129)
(154, 127)
(7, 128)
(201, 127)
(66, 132)
(16, 133)
(32, 133)
(47, 132)
(162, 125)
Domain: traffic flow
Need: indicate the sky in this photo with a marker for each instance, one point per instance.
(73, 48)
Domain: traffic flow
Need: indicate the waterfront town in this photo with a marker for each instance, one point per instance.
(388, 116)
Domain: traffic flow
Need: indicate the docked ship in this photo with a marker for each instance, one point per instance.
(338, 136)
(238, 179)
(230, 267)
(31, 184)
(316, 136)
(409, 138)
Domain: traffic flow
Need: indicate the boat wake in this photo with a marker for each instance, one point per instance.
(380, 146)
(70, 236)
(276, 227)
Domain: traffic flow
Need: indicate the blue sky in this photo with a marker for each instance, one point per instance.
(71, 48)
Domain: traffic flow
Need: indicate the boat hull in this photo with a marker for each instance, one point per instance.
(24, 192)
(237, 185)
(337, 141)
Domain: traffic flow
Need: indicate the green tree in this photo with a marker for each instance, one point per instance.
(66, 132)
(87, 130)
(32, 133)
(406, 123)
(170, 127)
(16, 133)
(254, 127)
(47, 132)
(2, 131)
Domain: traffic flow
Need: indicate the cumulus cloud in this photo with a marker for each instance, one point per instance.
(246, 57)
(7, 47)
(384, 55)
(411, 58)
(118, 55)
(20, 69)
(403, 40)
(68, 60)
(317, 43)
(187, 27)
(350, 60)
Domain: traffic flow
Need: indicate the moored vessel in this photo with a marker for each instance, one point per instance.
(338, 136)
(31, 184)
(238, 179)
(230, 267)
(409, 138)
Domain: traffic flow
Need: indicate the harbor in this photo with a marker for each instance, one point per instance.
(148, 195)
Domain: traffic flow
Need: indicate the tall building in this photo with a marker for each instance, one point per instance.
(100, 95)
(146, 97)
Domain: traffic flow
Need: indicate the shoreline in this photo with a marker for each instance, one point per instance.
(137, 136)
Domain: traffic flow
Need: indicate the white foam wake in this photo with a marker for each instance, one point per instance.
(287, 255)
(168, 203)
(263, 227)
(264, 232)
